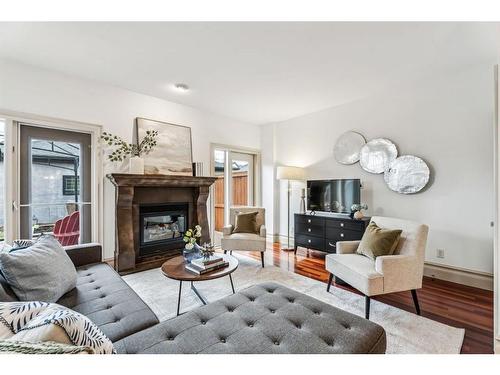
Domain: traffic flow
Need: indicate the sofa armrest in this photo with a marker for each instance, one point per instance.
(227, 230)
(347, 247)
(401, 272)
(262, 231)
(84, 254)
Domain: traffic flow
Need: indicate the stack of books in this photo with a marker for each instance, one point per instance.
(203, 265)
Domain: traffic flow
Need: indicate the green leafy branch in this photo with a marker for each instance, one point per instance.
(125, 149)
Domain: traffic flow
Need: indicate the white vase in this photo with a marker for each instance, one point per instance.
(358, 215)
(136, 165)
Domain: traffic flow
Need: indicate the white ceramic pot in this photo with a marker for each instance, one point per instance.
(358, 215)
(136, 165)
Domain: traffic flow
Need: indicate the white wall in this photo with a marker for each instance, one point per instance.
(447, 120)
(31, 90)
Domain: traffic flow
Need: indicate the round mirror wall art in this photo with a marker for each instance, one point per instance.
(347, 147)
(407, 175)
(377, 155)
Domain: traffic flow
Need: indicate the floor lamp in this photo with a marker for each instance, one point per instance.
(289, 174)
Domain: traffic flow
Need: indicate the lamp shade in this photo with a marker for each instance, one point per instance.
(290, 173)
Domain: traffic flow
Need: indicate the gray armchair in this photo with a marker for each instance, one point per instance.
(387, 274)
(245, 241)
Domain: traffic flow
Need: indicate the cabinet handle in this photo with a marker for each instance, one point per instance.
(341, 224)
(308, 220)
(341, 234)
(309, 241)
(308, 229)
(332, 245)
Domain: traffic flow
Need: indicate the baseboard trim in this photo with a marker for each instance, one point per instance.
(481, 280)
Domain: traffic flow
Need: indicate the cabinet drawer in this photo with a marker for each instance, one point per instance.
(310, 242)
(346, 224)
(335, 234)
(317, 230)
(330, 246)
(310, 220)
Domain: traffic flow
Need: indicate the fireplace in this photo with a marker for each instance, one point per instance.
(162, 227)
(152, 214)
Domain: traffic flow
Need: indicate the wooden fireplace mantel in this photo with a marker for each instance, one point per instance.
(131, 190)
(158, 180)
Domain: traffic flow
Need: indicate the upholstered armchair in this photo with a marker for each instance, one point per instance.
(245, 241)
(401, 271)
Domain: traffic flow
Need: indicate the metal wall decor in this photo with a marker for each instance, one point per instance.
(377, 155)
(348, 146)
(407, 175)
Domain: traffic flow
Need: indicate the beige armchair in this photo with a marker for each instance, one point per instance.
(245, 241)
(387, 274)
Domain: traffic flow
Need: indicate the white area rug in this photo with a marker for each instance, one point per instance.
(406, 332)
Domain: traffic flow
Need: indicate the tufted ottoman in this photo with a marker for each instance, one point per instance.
(265, 318)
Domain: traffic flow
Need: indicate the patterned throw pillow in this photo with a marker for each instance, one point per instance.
(49, 347)
(42, 321)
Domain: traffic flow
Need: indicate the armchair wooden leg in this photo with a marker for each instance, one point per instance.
(330, 279)
(415, 300)
(262, 258)
(367, 307)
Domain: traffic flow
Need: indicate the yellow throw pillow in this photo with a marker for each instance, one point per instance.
(378, 241)
(246, 222)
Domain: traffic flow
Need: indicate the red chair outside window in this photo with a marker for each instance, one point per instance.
(67, 229)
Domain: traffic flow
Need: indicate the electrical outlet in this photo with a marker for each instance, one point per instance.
(440, 253)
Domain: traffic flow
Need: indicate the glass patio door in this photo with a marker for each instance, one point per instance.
(55, 184)
(242, 179)
(234, 185)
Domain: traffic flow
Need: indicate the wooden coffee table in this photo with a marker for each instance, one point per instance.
(174, 269)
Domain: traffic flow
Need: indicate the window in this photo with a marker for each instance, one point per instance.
(71, 185)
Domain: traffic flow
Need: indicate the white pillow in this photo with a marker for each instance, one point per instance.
(42, 321)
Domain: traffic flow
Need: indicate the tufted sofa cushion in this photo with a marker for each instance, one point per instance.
(108, 301)
(265, 318)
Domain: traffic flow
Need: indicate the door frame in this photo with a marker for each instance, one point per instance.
(257, 170)
(12, 172)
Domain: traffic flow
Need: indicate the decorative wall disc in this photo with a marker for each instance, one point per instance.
(348, 146)
(407, 175)
(377, 155)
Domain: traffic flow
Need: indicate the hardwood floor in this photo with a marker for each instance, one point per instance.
(449, 303)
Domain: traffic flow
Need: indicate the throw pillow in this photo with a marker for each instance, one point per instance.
(378, 241)
(21, 347)
(42, 272)
(41, 322)
(246, 222)
(22, 244)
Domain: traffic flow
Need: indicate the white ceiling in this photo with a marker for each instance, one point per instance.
(253, 72)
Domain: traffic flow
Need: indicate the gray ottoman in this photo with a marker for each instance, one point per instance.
(265, 318)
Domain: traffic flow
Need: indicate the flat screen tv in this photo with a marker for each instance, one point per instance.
(333, 195)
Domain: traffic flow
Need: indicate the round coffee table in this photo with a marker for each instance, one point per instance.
(174, 269)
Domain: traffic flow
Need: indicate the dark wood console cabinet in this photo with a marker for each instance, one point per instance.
(321, 233)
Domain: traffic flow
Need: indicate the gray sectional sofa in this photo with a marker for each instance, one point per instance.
(265, 318)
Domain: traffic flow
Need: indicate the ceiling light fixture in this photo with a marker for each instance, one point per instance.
(181, 87)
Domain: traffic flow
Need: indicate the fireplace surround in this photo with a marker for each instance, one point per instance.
(149, 209)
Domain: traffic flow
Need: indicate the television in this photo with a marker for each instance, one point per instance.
(335, 196)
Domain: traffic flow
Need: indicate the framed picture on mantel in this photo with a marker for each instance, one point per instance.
(173, 154)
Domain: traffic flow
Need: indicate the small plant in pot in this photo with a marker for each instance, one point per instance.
(134, 151)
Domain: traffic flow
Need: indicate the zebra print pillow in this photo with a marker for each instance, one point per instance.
(19, 318)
